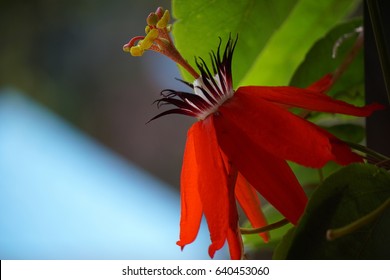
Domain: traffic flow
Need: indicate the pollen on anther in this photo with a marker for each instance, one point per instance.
(147, 42)
(163, 22)
(136, 51)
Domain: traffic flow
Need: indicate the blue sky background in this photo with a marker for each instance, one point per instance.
(65, 196)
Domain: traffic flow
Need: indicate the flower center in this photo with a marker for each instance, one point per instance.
(213, 93)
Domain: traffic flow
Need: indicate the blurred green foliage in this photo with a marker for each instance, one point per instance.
(274, 36)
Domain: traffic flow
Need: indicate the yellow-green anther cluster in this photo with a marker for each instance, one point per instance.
(157, 39)
(156, 31)
(144, 44)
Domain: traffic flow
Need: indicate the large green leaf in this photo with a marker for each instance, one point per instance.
(273, 35)
(199, 24)
(319, 61)
(348, 132)
(309, 21)
(343, 198)
(310, 178)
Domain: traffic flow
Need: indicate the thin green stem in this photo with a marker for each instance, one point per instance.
(368, 151)
(333, 234)
(349, 58)
(264, 229)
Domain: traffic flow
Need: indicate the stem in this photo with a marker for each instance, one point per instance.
(264, 229)
(333, 234)
(171, 52)
(384, 163)
(190, 70)
(176, 56)
(368, 151)
(350, 57)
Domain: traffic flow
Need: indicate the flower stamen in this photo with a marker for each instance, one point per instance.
(157, 39)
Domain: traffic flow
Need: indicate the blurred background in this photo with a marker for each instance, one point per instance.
(67, 56)
(81, 173)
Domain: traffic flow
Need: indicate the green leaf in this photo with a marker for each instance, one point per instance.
(343, 198)
(309, 21)
(310, 178)
(348, 132)
(281, 250)
(199, 24)
(319, 61)
(274, 36)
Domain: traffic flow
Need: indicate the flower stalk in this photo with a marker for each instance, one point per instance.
(349, 58)
(333, 234)
(266, 228)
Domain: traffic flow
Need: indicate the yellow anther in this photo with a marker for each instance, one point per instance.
(157, 39)
(136, 51)
(147, 42)
(147, 29)
(163, 22)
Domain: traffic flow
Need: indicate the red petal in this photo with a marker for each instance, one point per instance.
(280, 132)
(235, 243)
(341, 151)
(217, 199)
(191, 205)
(250, 204)
(269, 175)
(309, 99)
(323, 84)
(236, 247)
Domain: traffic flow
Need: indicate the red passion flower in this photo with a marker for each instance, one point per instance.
(241, 141)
